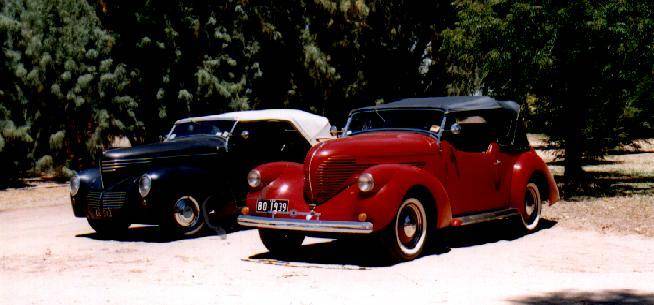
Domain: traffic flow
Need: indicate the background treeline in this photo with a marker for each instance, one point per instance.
(74, 74)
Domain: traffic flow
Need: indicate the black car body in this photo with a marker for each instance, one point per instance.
(194, 177)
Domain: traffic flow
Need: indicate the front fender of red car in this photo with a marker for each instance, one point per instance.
(529, 166)
(393, 182)
(270, 172)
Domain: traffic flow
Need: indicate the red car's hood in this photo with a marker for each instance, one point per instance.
(333, 165)
(375, 145)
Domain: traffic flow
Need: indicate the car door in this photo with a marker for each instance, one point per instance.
(472, 160)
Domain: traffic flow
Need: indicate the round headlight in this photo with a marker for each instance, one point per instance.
(366, 182)
(254, 178)
(74, 185)
(145, 185)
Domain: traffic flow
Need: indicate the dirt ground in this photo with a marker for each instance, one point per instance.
(596, 248)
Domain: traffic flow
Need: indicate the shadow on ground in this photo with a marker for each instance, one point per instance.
(13, 184)
(366, 252)
(610, 184)
(587, 298)
(153, 234)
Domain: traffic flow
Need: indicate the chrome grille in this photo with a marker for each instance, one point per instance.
(106, 199)
(331, 176)
(116, 170)
(113, 165)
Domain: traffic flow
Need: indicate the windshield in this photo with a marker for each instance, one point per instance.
(420, 119)
(215, 128)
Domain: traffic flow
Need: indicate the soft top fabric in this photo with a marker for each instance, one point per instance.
(450, 104)
(311, 126)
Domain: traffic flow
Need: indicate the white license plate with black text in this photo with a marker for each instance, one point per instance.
(272, 205)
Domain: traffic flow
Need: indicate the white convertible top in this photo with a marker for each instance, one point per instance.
(312, 127)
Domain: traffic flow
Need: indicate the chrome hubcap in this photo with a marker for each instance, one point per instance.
(186, 211)
(532, 207)
(410, 227)
(529, 207)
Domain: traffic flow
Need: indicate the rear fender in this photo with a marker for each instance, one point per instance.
(530, 166)
(394, 181)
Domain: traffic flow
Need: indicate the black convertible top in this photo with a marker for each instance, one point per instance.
(450, 104)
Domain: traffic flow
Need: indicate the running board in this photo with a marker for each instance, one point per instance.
(483, 217)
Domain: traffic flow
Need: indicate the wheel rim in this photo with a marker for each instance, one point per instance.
(532, 207)
(187, 211)
(410, 226)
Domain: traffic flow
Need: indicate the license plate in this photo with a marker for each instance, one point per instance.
(272, 205)
(100, 212)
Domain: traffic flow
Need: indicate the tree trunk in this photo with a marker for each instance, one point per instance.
(573, 176)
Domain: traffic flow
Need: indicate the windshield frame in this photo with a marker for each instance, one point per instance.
(230, 132)
(347, 132)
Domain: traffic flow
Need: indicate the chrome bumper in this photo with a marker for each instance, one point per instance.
(305, 225)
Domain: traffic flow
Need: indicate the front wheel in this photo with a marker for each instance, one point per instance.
(281, 242)
(185, 218)
(108, 227)
(406, 236)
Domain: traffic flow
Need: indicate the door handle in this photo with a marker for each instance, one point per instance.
(497, 162)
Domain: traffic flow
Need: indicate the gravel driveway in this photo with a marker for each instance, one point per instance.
(48, 256)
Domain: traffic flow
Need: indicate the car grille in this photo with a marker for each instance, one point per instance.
(330, 177)
(106, 199)
(333, 175)
(115, 170)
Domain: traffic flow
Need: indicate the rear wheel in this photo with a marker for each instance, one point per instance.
(280, 242)
(109, 227)
(406, 236)
(185, 218)
(530, 217)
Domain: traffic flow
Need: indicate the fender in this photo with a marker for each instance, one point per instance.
(270, 171)
(394, 181)
(529, 165)
(171, 180)
(90, 179)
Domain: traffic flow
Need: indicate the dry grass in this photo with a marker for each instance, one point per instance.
(621, 198)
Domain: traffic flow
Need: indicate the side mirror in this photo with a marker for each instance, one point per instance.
(245, 134)
(334, 130)
(456, 129)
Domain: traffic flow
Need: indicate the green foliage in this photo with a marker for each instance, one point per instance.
(57, 78)
(585, 66)
(75, 74)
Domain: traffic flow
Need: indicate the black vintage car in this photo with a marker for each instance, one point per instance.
(194, 177)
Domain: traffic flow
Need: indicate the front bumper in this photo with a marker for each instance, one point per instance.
(353, 227)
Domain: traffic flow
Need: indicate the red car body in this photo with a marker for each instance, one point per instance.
(455, 186)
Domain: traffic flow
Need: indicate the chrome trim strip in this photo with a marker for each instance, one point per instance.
(305, 225)
(484, 217)
(439, 136)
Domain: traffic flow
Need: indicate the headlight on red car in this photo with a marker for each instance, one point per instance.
(366, 182)
(254, 178)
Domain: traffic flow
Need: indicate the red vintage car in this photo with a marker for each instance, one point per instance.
(401, 171)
